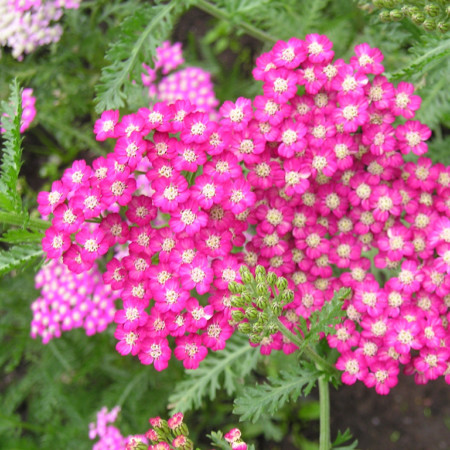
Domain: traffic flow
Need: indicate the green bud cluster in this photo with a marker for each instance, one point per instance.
(430, 15)
(259, 301)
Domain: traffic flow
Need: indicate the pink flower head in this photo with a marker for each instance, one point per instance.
(411, 137)
(190, 350)
(236, 115)
(289, 54)
(197, 129)
(367, 59)
(104, 127)
(155, 351)
(280, 85)
(197, 274)
(405, 103)
(319, 48)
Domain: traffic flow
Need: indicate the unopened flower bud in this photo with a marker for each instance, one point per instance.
(245, 328)
(260, 271)
(276, 308)
(443, 27)
(261, 302)
(287, 296)
(235, 288)
(251, 313)
(272, 327)
(271, 278)
(384, 16)
(257, 328)
(237, 315)
(237, 302)
(282, 284)
(260, 279)
(432, 10)
(263, 317)
(261, 289)
(248, 298)
(378, 3)
(255, 338)
(429, 25)
(184, 429)
(396, 15)
(246, 276)
(418, 18)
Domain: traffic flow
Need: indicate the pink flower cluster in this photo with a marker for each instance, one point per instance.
(316, 166)
(171, 434)
(70, 300)
(110, 436)
(333, 191)
(191, 83)
(28, 110)
(28, 24)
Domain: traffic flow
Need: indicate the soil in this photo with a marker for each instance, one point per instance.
(411, 417)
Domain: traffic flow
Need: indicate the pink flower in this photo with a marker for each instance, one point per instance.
(383, 376)
(236, 115)
(217, 332)
(155, 351)
(289, 54)
(128, 341)
(188, 218)
(196, 275)
(280, 85)
(405, 104)
(411, 137)
(190, 350)
(55, 242)
(319, 48)
(367, 59)
(104, 127)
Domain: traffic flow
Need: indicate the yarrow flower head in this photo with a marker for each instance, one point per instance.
(320, 177)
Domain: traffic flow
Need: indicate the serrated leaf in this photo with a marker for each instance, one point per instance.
(342, 438)
(138, 37)
(323, 320)
(268, 398)
(221, 369)
(18, 256)
(10, 199)
(429, 52)
(20, 236)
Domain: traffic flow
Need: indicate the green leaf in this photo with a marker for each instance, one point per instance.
(221, 369)
(324, 319)
(342, 438)
(20, 236)
(18, 256)
(10, 199)
(429, 52)
(139, 35)
(268, 398)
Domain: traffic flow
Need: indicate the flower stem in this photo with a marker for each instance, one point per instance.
(19, 220)
(324, 405)
(251, 30)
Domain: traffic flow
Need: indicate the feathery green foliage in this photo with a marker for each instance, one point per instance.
(10, 199)
(268, 398)
(18, 256)
(322, 321)
(139, 35)
(341, 439)
(222, 369)
(428, 53)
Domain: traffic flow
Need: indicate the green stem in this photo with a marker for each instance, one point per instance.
(324, 404)
(247, 27)
(21, 221)
(311, 354)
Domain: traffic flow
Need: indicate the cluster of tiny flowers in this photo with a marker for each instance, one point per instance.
(191, 83)
(332, 188)
(171, 434)
(70, 300)
(110, 436)
(178, 238)
(316, 165)
(28, 24)
(28, 110)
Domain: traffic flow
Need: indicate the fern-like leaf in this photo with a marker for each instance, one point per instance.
(20, 236)
(10, 199)
(139, 35)
(18, 256)
(323, 320)
(224, 368)
(429, 53)
(268, 398)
